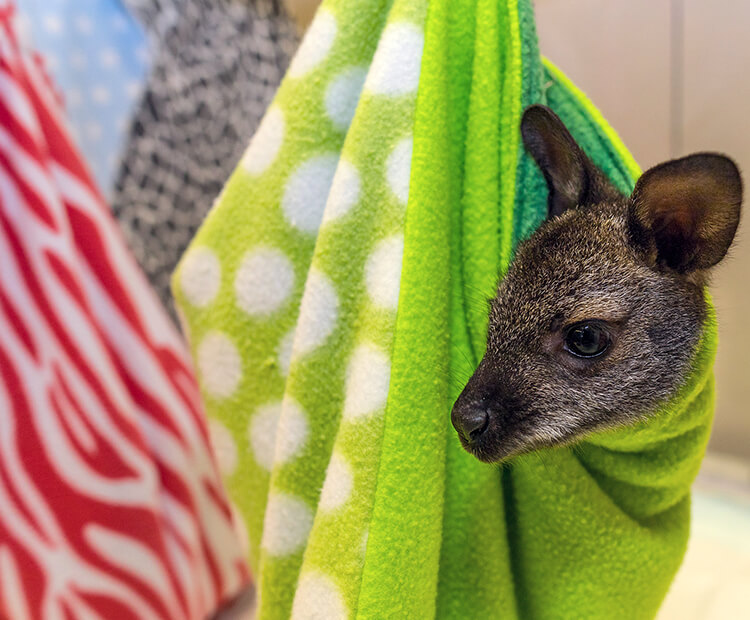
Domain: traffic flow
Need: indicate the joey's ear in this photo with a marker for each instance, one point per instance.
(571, 177)
(688, 210)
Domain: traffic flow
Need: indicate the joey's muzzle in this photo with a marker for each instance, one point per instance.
(470, 421)
(470, 424)
(471, 411)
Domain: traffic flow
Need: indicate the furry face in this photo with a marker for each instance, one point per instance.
(599, 315)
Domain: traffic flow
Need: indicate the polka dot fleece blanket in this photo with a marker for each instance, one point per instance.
(333, 301)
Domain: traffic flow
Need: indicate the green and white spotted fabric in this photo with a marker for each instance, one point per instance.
(333, 326)
(302, 295)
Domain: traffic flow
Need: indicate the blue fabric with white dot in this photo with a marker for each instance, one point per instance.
(98, 55)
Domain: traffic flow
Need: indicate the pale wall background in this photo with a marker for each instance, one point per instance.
(673, 77)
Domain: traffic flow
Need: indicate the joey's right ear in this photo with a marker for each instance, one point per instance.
(572, 179)
(687, 211)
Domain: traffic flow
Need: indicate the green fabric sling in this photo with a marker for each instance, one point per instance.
(329, 363)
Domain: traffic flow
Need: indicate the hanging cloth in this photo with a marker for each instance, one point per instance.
(335, 301)
(112, 504)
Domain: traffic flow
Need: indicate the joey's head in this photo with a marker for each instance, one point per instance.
(600, 313)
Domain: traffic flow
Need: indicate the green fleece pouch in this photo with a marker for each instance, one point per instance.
(334, 304)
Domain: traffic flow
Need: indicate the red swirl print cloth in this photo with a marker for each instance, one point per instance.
(111, 504)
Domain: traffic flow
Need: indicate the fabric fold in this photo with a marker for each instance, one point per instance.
(346, 268)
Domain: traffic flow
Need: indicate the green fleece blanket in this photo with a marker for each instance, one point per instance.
(335, 301)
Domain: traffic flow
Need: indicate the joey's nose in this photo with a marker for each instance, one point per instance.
(472, 423)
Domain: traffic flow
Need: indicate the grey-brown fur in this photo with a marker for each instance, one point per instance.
(635, 264)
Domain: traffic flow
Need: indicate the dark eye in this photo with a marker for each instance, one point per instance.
(587, 340)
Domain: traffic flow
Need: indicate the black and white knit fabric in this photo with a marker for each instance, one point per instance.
(216, 65)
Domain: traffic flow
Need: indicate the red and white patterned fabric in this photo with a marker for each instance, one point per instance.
(111, 504)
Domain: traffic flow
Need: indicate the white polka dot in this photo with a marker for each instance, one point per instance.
(342, 96)
(398, 169)
(262, 434)
(84, 25)
(93, 130)
(395, 67)
(119, 23)
(338, 484)
(367, 379)
(286, 525)
(219, 365)
(365, 536)
(223, 446)
(307, 190)
(109, 58)
(318, 598)
(345, 191)
(240, 528)
(200, 276)
(52, 24)
(383, 272)
(318, 313)
(100, 95)
(264, 281)
(277, 434)
(133, 89)
(266, 143)
(292, 432)
(315, 46)
(284, 352)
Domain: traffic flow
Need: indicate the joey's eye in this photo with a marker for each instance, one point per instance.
(587, 340)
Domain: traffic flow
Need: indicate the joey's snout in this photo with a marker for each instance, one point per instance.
(597, 320)
(470, 420)
(479, 416)
(489, 416)
(471, 412)
(481, 424)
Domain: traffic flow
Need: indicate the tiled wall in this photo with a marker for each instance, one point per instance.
(673, 77)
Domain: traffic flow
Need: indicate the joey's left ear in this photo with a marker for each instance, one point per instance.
(572, 178)
(687, 210)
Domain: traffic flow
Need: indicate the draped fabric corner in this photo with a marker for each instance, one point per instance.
(335, 301)
(98, 56)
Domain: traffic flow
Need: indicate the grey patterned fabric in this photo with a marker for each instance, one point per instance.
(216, 66)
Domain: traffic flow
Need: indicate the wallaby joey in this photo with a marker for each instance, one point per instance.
(599, 316)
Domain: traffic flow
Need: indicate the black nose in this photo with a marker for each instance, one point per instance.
(472, 423)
